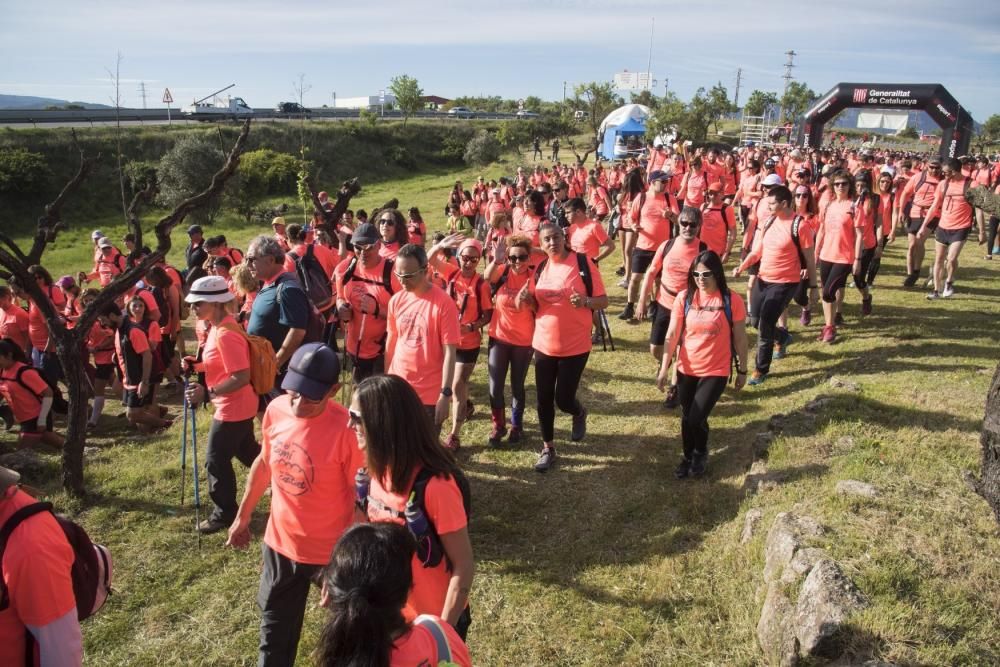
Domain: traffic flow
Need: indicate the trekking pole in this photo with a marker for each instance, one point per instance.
(184, 444)
(197, 496)
(600, 328)
(607, 329)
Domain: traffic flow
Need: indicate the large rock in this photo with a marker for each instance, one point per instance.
(783, 539)
(801, 563)
(750, 524)
(774, 634)
(25, 461)
(841, 383)
(826, 601)
(852, 487)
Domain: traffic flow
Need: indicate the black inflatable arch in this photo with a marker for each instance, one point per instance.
(956, 123)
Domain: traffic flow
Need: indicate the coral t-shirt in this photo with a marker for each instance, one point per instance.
(227, 351)
(587, 237)
(561, 329)
(366, 286)
(715, 226)
(693, 190)
(528, 225)
(653, 227)
(956, 213)
(512, 322)
(599, 200)
(14, 325)
(419, 327)
(100, 342)
(418, 648)
(840, 228)
(139, 344)
(38, 329)
(865, 211)
(36, 570)
(312, 464)
(469, 301)
(24, 402)
(326, 257)
(444, 508)
(706, 349)
(675, 266)
(774, 247)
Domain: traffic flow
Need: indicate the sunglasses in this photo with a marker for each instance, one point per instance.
(517, 258)
(702, 274)
(405, 276)
(687, 223)
(363, 247)
(469, 258)
(841, 184)
(801, 195)
(386, 221)
(354, 418)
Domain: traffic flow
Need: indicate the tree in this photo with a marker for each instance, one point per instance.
(700, 113)
(669, 117)
(599, 99)
(68, 342)
(990, 130)
(758, 102)
(796, 100)
(482, 149)
(988, 484)
(909, 133)
(184, 168)
(407, 93)
(646, 98)
(719, 104)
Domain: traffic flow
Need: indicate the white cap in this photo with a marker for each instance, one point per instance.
(772, 179)
(96, 234)
(104, 242)
(212, 289)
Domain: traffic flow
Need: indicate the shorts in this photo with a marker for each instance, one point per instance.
(754, 268)
(661, 322)
(915, 224)
(31, 425)
(467, 356)
(130, 399)
(949, 236)
(104, 372)
(168, 349)
(641, 259)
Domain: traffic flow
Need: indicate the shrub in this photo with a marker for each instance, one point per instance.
(22, 171)
(267, 172)
(482, 149)
(187, 169)
(402, 157)
(139, 173)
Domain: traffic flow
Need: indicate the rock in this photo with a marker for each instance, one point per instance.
(759, 479)
(817, 404)
(761, 445)
(826, 600)
(844, 442)
(91, 451)
(786, 536)
(840, 383)
(801, 564)
(776, 423)
(24, 461)
(750, 524)
(778, 643)
(852, 487)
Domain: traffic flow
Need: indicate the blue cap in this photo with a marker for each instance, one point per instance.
(313, 370)
(659, 175)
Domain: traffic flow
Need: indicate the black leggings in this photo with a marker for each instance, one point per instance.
(833, 277)
(517, 358)
(697, 397)
(556, 382)
(875, 265)
(226, 441)
(861, 279)
(991, 234)
(772, 299)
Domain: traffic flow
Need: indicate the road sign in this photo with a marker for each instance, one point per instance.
(634, 80)
(520, 105)
(167, 97)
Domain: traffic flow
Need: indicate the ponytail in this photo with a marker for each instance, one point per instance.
(8, 348)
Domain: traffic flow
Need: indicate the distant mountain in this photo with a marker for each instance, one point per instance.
(31, 102)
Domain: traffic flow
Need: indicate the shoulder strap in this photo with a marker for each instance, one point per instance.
(386, 275)
(432, 625)
(539, 268)
(14, 521)
(349, 271)
(796, 224)
(584, 268)
(21, 371)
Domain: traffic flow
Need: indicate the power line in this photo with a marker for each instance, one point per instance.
(787, 76)
(142, 92)
(736, 97)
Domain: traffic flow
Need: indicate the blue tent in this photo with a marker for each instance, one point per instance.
(630, 127)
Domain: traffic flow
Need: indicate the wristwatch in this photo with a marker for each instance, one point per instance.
(446, 392)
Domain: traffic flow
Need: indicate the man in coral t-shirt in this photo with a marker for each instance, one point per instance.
(13, 320)
(422, 334)
(36, 571)
(308, 459)
(653, 213)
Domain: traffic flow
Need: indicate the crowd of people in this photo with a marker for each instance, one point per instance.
(366, 496)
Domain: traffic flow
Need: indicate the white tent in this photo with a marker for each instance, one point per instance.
(625, 113)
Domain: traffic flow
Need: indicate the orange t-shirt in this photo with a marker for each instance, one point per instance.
(418, 648)
(922, 197)
(365, 286)
(36, 569)
(312, 464)
(864, 210)
(444, 508)
(675, 266)
(38, 329)
(956, 213)
(14, 325)
(419, 327)
(587, 237)
(775, 249)
(100, 342)
(599, 200)
(467, 300)
(24, 402)
(886, 203)
(529, 225)
(839, 232)
(139, 343)
(327, 258)
(653, 227)
(562, 330)
(693, 189)
(705, 349)
(715, 226)
(512, 322)
(228, 352)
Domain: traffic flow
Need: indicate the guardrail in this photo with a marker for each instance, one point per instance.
(41, 116)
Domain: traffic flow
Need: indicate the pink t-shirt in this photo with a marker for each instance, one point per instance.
(419, 327)
(227, 352)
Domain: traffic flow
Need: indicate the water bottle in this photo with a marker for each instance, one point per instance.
(361, 483)
(428, 546)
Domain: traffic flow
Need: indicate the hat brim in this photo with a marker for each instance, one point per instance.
(363, 240)
(210, 297)
(314, 390)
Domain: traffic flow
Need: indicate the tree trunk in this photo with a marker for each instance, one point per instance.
(988, 484)
(69, 350)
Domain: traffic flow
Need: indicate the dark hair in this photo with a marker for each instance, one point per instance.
(6, 291)
(954, 164)
(781, 194)
(812, 206)
(710, 259)
(634, 183)
(361, 213)
(129, 237)
(398, 223)
(413, 251)
(536, 203)
(157, 277)
(845, 175)
(367, 580)
(398, 433)
(36, 270)
(414, 213)
(294, 233)
(8, 348)
(214, 242)
(575, 204)
(110, 308)
(223, 263)
(689, 212)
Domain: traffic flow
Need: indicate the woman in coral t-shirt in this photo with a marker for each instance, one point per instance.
(28, 395)
(707, 340)
(838, 245)
(365, 588)
(101, 344)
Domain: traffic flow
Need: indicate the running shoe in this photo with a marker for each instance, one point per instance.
(452, 443)
(628, 313)
(670, 402)
(831, 337)
(838, 319)
(623, 283)
(806, 317)
(866, 305)
(683, 469)
(546, 459)
(949, 289)
(911, 279)
(620, 271)
(515, 435)
(933, 295)
(496, 435)
(781, 347)
(212, 525)
(698, 465)
(779, 351)
(595, 338)
(757, 378)
(579, 431)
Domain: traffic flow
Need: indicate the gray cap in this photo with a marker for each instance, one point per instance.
(8, 478)
(365, 234)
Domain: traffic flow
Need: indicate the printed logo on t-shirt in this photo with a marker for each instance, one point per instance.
(293, 467)
(702, 324)
(677, 265)
(412, 331)
(553, 296)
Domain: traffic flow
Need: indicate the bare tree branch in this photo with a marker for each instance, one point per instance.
(330, 218)
(144, 196)
(14, 248)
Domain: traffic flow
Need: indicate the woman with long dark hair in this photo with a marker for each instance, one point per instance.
(365, 587)
(416, 229)
(708, 330)
(634, 187)
(866, 208)
(397, 436)
(392, 229)
(533, 218)
(838, 246)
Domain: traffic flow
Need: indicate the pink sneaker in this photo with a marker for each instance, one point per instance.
(806, 317)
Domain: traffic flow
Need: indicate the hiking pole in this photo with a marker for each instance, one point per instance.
(197, 496)
(600, 328)
(184, 444)
(607, 328)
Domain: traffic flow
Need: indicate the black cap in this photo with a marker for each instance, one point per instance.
(313, 370)
(365, 233)
(194, 229)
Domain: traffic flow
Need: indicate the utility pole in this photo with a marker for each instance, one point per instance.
(736, 97)
(666, 85)
(142, 93)
(564, 92)
(787, 76)
(649, 62)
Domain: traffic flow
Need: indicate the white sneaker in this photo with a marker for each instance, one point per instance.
(930, 282)
(948, 290)
(623, 282)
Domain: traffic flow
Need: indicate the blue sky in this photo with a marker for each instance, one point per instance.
(512, 48)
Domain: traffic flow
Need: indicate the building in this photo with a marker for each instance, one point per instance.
(370, 102)
(433, 102)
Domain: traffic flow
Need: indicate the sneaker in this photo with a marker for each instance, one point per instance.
(806, 317)
(670, 402)
(452, 443)
(933, 295)
(757, 378)
(623, 283)
(628, 313)
(595, 338)
(579, 431)
(698, 465)
(949, 289)
(514, 435)
(823, 334)
(911, 279)
(781, 347)
(546, 459)
(212, 525)
(831, 336)
(779, 351)
(866, 305)
(683, 469)
(838, 319)
(620, 271)
(497, 434)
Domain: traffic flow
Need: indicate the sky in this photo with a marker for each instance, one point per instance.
(512, 48)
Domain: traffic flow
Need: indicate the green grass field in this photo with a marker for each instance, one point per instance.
(607, 559)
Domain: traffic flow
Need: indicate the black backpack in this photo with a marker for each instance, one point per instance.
(91, 569)
(420, 489)
(727, 308)
(161, 304)
(315, 324)
(313, 279)
(702, 247)
(583, 266)
(465, 298)
(386, 275)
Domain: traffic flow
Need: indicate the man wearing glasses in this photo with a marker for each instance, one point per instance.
(914, 203)
(556, 215)
(422, 334)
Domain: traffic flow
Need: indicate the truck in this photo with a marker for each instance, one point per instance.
(217, 108)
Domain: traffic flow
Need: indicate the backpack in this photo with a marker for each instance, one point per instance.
(727, 308)
(583, 266)
(433, 625)
(501, 281)
(434, 551)
(796, 224)
(161, 304)
(315, 324)
(59, 404)
(263, 361)
(465, 298)
(666, 250)
(386, 275)
(92, 566)
(313, 279)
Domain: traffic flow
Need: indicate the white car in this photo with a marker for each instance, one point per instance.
(524, 113)
(460, 112)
